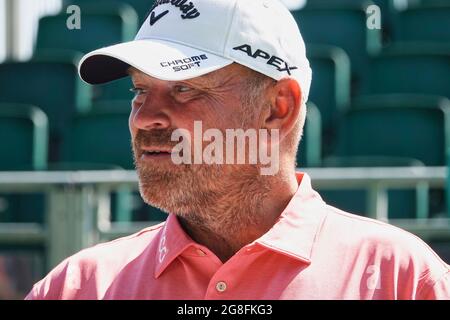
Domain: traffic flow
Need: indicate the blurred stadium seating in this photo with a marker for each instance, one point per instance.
(379, 98)
(105, 130)
(102, 26)
(330, 88)
(410, 68)
(396, 125)
(142, 7)
(432, 14)
(309, 152)
(393, 126)
(25, 126)
(60, 96)
(345, 28)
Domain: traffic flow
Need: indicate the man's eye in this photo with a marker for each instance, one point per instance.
(138, 91)
(181, 89)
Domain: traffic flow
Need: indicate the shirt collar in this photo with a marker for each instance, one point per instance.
(295, 231)
(293, 234)
(173, 240)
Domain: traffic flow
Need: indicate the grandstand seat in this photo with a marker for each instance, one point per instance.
(383, 4)
(410, 68)
(121, 199)
(330, 87)
(141, 7)
(424, 22)
(105, 132)
(386, 9)
(401, 203)
(403, 126)
(342, 25)
(309, 151)
(411, 126)
(102, 136)
(24, 132)
(101, 25)
(51, 82)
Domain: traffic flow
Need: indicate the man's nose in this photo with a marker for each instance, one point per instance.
(153, 113)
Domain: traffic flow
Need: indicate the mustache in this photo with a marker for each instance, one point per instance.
(154, 138)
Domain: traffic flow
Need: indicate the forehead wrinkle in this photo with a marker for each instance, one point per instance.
(225, 76)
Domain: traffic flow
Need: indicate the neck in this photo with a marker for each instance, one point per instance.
(240, 215)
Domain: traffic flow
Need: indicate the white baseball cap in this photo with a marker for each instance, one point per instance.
(182, 39)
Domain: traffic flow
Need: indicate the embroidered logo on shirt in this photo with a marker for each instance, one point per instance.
(162, 246)
(373, 281)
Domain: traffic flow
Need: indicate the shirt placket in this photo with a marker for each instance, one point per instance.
(223, 283)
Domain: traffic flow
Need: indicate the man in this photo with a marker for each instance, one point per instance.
(233, 232)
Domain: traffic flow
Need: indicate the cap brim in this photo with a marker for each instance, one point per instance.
(160, 59)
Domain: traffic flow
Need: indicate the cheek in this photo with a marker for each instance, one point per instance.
(212, 120)
(227, 115)
(237, 117)
(198, 112)
(131, 127)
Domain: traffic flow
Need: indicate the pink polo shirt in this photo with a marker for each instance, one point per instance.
(314, 251)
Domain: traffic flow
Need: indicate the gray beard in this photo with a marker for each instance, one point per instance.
(221, 198)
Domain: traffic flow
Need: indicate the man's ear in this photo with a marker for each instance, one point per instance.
(285, 106)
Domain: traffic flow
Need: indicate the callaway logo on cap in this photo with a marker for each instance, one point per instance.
(183, 39)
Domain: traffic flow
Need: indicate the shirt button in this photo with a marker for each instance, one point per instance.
(221, 286)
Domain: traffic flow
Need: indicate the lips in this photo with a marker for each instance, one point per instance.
(155, 152)
(151, 153)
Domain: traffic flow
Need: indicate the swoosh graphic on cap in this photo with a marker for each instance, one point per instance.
(154, 18)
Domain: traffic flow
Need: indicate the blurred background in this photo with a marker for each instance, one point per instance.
(376, 140)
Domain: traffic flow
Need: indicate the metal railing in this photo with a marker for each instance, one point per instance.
(77, 202)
